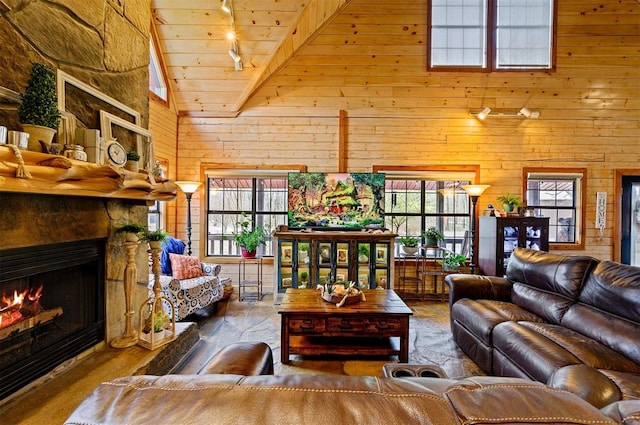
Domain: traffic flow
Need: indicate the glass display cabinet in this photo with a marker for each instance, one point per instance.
(306, 259)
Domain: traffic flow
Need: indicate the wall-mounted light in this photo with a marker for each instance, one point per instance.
(522, 113)
(529, 113)
(484, 113)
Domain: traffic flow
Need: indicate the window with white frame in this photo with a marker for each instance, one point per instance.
(559, 195)
(491, 35)
(158, 84)
(261, 196)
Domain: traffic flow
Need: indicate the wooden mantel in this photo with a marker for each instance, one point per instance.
(44, 174)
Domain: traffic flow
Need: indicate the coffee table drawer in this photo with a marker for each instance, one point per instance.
(345, 324)
(311, 325)
(382, 324)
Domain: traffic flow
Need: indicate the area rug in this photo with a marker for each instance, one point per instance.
(430, 340)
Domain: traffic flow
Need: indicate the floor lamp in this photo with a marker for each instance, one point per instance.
(474, 191)
(188, 188)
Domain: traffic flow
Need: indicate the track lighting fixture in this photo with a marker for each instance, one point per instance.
(529, 113)
(484, 113)
(226, 6)
(234, 55)
(522, 113)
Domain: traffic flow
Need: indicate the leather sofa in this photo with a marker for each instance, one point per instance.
(572, 322)
(215, 396)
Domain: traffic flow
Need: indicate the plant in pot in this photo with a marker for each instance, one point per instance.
(250, 237)
(304, 276)
(154, 237)
(363, 253)
(409, 244)
(432, 236)
(452, 262)
(132, 161)
(131, 231)
(510, 202)
(38, 113)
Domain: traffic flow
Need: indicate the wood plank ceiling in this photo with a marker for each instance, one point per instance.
(193, 43)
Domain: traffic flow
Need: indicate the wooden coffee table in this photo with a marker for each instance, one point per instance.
(312, 326)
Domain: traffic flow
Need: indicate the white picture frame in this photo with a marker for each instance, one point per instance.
(62, 79)
(144, 138)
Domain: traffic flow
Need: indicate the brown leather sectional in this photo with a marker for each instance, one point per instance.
(572, 322)
(216, 397)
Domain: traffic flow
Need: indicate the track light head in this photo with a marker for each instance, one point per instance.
(226, 6)
(237, 65)
(484, 113)
(234, 55)
(529, 113)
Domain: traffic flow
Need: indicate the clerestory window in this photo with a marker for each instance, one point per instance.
(491, 35)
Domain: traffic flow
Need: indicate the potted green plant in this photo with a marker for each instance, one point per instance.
(154, 237)
(363, 252)
(303, 279)
(132, 231)
(510, 202)
(409, 244)
(452, 261)
(250, 237)
(132, 161)
(432, 236)
(38, 113)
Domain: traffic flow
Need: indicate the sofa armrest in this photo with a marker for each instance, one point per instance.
(477, 287)
(241, 358)
(587, 383)
(211, 269)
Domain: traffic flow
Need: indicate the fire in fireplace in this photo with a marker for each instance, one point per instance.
(51, 308)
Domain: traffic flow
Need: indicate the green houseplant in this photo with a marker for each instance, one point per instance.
(510, 202)
(250, 237)
(452, 261)
(432, 236)
(132, 161)
(154, 237)
(132, 231)
(38, 112)
(409, 244)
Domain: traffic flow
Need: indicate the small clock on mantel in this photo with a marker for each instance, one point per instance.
(116, 153)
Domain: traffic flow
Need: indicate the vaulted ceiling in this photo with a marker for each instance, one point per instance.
(192, 39)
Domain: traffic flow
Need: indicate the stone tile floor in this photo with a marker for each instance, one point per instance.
(53, 401)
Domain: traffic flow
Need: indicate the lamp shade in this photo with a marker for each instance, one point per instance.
(474, 189)
(188, 186)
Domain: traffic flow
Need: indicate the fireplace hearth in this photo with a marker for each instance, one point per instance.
(51, 308)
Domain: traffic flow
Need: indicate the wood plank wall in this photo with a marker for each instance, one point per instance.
(163, 123)
(371, 62)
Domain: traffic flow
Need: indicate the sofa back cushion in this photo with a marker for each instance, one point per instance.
(547, 284)
(608, 309)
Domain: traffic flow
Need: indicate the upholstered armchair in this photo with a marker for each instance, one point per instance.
(189, 283)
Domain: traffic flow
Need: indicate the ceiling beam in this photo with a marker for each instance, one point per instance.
(311, 21)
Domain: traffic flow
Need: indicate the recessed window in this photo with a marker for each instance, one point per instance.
(158, 84)
(559, 195)
(491, 35)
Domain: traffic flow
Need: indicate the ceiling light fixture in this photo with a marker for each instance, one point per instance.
(234, 55)
(234, 51)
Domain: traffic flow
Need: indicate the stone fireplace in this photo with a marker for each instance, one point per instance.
(67, 244)
(51, 307)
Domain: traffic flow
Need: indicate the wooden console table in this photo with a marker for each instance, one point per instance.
(312, 326)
